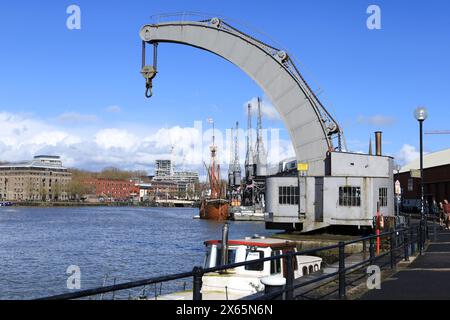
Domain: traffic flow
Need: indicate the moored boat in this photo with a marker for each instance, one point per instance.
(213, 206)
(241, 282)
(246, 213)
(214, 209)
(244, 281)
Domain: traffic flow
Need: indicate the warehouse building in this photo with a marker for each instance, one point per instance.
(436, 179)
(43, 178)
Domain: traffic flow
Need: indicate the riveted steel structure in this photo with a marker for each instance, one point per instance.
(310, 126)
(338, 188)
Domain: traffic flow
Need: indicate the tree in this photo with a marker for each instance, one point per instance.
(57, 190)
(43, 191)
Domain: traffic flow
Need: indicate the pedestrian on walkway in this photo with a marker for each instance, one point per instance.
(441, 215)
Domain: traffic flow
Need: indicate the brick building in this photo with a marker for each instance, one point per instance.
(115, 190)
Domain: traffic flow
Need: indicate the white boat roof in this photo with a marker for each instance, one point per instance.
(256, 242)
(308, 259)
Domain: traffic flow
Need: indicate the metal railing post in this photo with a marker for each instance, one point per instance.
(392, 248)
(405, 245)
(411, 240)
(435, 228)
(372, 250)
(289, 277)
(197, 283)
(342, 285)
(419, 237)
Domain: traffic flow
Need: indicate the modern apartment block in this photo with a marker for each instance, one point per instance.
(163, 168)
(184, 180)
(43, 178)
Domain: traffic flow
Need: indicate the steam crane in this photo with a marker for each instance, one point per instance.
(249, 156)
(237, 180)
(231, 166)
(331, 186)
(237, 165)
(261, 156)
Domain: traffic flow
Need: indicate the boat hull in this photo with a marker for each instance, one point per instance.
(214, 210)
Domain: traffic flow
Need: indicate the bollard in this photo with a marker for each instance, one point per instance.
(289, 277)
(197, 283)
(273, 284)
(342, 293)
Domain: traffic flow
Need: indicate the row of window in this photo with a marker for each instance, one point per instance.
(349, 196)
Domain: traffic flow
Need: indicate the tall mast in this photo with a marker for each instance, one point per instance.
(237, 165)
(213, 174)
(261, 157)
(249, 157)
(231, 160)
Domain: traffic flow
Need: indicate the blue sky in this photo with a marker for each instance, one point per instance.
(62, 91)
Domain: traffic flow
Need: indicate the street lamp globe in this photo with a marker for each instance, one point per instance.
(421, 113)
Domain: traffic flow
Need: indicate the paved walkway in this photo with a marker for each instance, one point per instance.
(427, 277)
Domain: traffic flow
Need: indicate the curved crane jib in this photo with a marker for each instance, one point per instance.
(269, 67)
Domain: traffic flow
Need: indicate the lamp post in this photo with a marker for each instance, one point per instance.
(421, 115)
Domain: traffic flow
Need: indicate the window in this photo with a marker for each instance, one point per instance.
(304, 271)
(254, 255)
(231, 257)
(275, 265)
(410, 184)
(350, 196)
(382, 197)
(288, 195)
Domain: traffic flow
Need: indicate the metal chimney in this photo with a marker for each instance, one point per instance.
(224, 256)
(378, 143)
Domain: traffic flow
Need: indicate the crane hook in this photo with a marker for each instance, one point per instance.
(148, 89)
(149, 72)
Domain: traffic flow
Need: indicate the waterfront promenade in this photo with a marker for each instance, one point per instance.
(426, 278)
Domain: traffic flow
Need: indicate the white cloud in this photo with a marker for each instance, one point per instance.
(407, 154)
(75, 117)
(267, 109)
(116, 138)
(23, 136)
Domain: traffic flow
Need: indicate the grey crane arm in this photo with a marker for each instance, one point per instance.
(311, 127)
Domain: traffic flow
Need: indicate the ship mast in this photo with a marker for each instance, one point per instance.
(261, 156)
(213, 172)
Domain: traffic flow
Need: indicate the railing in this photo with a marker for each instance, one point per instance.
(400, 243)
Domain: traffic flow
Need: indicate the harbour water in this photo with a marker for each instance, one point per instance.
(37, 245)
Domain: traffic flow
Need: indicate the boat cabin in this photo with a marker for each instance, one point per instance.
(246, 279)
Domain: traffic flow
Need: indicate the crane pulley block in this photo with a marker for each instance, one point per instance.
(148, 72)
